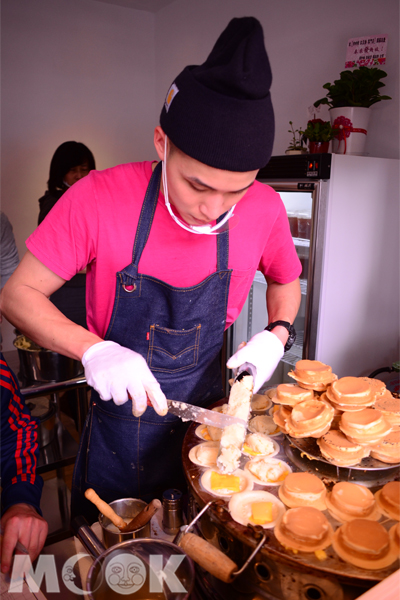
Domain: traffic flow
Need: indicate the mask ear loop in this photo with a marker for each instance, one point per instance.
(201, 229)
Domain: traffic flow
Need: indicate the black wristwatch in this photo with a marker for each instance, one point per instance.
(289, 327)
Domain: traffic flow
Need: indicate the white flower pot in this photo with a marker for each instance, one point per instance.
(353, 124)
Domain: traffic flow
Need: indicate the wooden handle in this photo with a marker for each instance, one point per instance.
(207, 556)
(105, 508)
(143, 517)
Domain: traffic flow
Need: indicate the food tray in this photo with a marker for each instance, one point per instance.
(272, 549)
(310, 447)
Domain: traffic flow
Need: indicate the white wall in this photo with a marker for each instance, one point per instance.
(306, 43)
(71, 70)
(98, 73)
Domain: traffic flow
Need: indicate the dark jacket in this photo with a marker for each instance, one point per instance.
(47, 202)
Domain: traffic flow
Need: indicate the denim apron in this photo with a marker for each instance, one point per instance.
(179, 331)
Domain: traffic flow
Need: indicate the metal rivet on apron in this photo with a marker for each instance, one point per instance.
(129, 288)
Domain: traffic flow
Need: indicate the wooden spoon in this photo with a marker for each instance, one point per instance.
(143, 517)
(105, 508)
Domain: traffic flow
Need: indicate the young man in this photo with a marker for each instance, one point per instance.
(183, 258)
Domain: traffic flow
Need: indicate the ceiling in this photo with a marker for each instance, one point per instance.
(152, 6)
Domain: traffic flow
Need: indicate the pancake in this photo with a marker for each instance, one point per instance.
(389, 406)
(388, 449)
(339, 450)
(365, 544)
(313, 374)
(348, 407)
(388, 500)
(311, 418)
(377, 386)
(348, 501)
(291, 394)
(366, 427)
(280, 416)
(394, 535)
(351, 390)
(303, 489)
(304, 528)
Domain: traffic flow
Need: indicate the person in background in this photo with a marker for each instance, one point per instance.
(21, 519)
(9, 258)
(171, 251)
(71, 162)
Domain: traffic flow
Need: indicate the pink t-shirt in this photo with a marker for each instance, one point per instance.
(94, 225)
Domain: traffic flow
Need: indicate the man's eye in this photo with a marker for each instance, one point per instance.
(197, 189)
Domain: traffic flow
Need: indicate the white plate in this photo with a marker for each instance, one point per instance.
(199, 430)
(268, 461)
(268, 420)
(240, 507)
(246, 483)
(260, 411)
(193, 454)
(273, 453)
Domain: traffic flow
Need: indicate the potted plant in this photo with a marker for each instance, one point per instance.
(296, 145)
(318, 133)
(349, 99)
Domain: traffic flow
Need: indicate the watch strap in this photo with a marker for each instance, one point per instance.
(289, 327)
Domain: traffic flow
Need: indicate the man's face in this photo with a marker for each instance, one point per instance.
(199, 193)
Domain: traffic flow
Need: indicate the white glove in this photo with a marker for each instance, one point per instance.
(113, 371)
(264, 350)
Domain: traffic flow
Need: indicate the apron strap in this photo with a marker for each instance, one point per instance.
(147, 214)
(222, 248)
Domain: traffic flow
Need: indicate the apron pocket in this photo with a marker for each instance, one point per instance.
(173, 350)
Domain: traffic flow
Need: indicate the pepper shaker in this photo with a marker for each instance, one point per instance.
(172, 511)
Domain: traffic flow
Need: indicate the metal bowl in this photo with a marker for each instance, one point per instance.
(127, 508)
(39, 364)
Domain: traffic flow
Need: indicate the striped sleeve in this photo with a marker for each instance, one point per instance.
(19, 445)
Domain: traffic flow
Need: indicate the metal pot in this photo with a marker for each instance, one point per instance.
(127, 508)
(140, 568)
(46, 412)
(39, 364)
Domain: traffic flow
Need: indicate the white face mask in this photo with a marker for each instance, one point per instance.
(220, 227)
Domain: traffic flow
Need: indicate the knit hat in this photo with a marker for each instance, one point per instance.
(220, 112)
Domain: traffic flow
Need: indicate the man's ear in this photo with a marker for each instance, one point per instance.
(159, 141)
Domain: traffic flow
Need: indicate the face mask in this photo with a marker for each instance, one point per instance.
(220, 227)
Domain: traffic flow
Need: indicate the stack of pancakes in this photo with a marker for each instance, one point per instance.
(351, 417)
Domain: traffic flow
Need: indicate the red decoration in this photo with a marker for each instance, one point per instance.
(344, 127)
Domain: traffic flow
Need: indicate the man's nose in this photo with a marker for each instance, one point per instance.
(214, 209)
(80, 174)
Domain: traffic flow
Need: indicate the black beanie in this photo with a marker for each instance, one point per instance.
(220, 112)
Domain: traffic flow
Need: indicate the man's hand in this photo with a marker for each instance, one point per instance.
(114, 371)
(264, 350)
(21, 523)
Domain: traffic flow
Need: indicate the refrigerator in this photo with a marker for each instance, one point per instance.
(343, 213)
